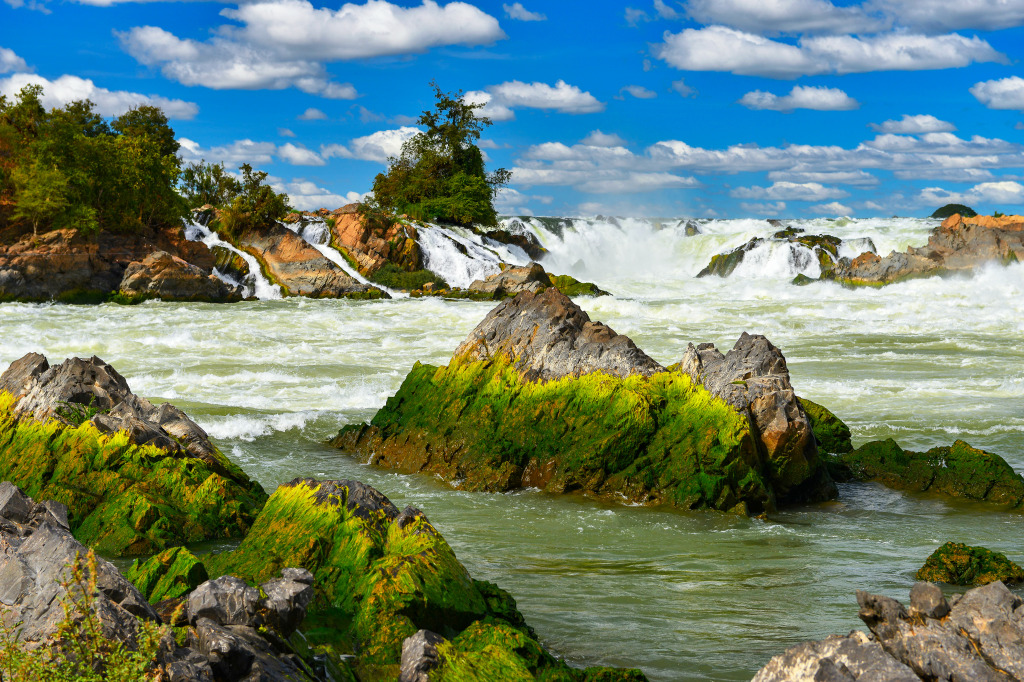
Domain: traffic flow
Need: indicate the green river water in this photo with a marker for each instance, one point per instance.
(684, 596)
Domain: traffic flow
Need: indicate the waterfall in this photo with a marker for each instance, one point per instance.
(461, 256)
(261, 286)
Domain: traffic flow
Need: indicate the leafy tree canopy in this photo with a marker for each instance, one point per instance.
(950, 209)
(440, 173)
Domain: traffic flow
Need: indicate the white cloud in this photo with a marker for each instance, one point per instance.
(639, 91)
(598, 139)
(1005, 93)
(833, 208)
(299, 156)
(853, 177)
(635, 16)
(9, 61)
(666, 11)
(806, 191)
(378, 146)
(234, 154)
(501, 99)
(67, 88)
(946, 15)
(308, 196)
(492, 109)
(719, 48)
(285, 43)
(517, 11)
(636, 182)
(285, 132)
(913, 125)
(683, 89)
(1005, 192)
(784, 16)
(953, 174)
(312, 114)
(775, 208)
(801, 97)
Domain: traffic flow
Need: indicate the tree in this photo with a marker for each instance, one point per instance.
(41, 194)
(208, 183)
(440, 174)
(148, 121)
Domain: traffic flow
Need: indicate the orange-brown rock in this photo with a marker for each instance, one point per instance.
(371, 248)
(161, 275)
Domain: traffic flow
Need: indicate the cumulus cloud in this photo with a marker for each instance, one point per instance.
(764, 209)
(517, 11)
(9, 61)
(1002, 193)
(1005, 93)
(638, 91)
(312, 114)
(308, 196)
(234, 154)
(784, 16)
(285, 43)
(833, 208)
(913, 125)
(719, 48)
(598, 139)
(801, 97)
(683, 89)
(285, 132)
(299, 156)
(58, 92)
(378, 146)
(500, 100)
(853, 177)
(946, 15)
(806, 191)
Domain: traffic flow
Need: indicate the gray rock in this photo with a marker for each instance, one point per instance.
(530, 277)
(14, 504)
(161, 275)
(299, 575)
(927, 601)
(286, 602)
(225, 601)
(550, 337)
(851, 657)
(238, 653)
(420, 656)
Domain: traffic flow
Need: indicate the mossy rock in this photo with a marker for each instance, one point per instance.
(380, 576)
(125, 499)
(658, 439)
(170, 574)
(958, 471)
(832, 434)
(572, 287)
(958, 564)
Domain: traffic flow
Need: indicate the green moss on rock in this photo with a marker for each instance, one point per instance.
(958, 471)
(125, 499)
(832, 434)
(572, 287)
(958, 564)
(170, 574)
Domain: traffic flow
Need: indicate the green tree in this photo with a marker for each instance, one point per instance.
(204, 183)
(440, 174)
(255, 204)
(41, 194)
(148, 121)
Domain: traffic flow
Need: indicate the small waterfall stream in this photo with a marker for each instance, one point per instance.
(261, 286)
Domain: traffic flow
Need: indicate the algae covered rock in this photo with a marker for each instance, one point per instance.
(170, 574)
(380, 576)
(136, 478)
(832, 434)
(802, 250)
(541, 396)
(958, 471)
(958, 564)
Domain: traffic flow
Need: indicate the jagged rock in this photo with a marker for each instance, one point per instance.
(226, 601)
(519, 235)
(551, 337)
(980, 636)
(958, 564)
(287, 599)
(512, 281)
(169, 486)
(229, 263)
(374, 246)
(171, 574)
(420, 656)
(754, 379)
(804, 249)
(161, 275)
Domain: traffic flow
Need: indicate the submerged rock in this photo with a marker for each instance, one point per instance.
(540, 396)
(975, 637)
(958, 471)
(161, 275)
(804, 249)
(958, 564)
(137, 478)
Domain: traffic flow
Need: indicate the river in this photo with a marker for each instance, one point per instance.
(682, 595)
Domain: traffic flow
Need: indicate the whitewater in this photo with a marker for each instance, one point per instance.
(682, 595)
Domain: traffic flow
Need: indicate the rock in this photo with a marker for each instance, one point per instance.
(958, 564)
(229, 263)
(512, 281)
(803, 249)
(225, 601)
(420, 656)
(754, 379)
(170, 574)
(690, 228)
(831, 433)
(518, 234)
(168, 487)
(287, 599)
(300, 269)
(161, 275)
(572, 287)
(373, 246)
(979, 637)
(957, 471)
(537, 369)
(959, 245)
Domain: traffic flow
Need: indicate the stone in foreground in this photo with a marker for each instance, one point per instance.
(957, 564)
(541, 396)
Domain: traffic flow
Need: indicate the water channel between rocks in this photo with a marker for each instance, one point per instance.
(684, 596)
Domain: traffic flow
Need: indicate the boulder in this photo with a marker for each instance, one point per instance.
(957, 564)
(137, 478)
(373, 246)
(170, 574)
(512, 281)
(957, 471)
(229, 263)
(831, 433)
(804, 249)
(516, 233)
(979, 636)
(538, 395)
(161, 275)
(420, 656)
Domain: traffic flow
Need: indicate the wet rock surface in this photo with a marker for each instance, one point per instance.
(161, 275)
(371, 247)
(804, 249)
(977, 636)
(512, 281)
(955, 563)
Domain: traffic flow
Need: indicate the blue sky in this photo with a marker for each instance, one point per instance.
(707, 108)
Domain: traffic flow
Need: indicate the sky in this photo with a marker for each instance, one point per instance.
(694, 108)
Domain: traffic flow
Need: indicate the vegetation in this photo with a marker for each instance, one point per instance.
(440, 173)
(394, 277)
(245, 203)
(81, 653)
(958, 564)
(949, 209)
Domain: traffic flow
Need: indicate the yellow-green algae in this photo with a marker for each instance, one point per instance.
(657, 439)
(170, 574)
(380, 579)
(124, 499)
(831, 432)
(958, 564)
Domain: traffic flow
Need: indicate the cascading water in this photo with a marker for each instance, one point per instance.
(261, 286)
(461, 256)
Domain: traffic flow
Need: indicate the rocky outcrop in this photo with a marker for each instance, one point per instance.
(960, 244)
(515, 233)
(161, 275)
(230, 264)
(803, 250)
(515, 280)
(372, 247)
(66, 265)
(382, 575)
(957, 564)
(538, 395)
(977, 636)
(300, 269)
(753, 378)
(957, 471)
(136, 477)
